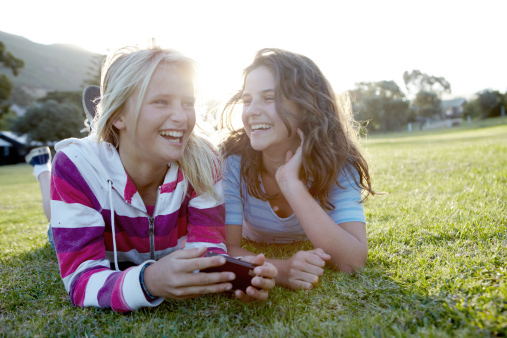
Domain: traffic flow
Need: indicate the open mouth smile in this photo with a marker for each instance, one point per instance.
(174, 136)
(261, 127)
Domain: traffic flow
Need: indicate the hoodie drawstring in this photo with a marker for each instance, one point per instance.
(110, 192)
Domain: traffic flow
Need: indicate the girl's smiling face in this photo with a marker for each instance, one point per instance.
(261, 121)
(166, 118)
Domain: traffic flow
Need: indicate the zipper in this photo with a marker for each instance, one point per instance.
(152, 237)
(152, 229)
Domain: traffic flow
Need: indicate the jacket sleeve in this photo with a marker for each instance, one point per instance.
(78, 231)
(205, 220)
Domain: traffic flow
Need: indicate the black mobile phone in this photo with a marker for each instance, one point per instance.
(243, 271)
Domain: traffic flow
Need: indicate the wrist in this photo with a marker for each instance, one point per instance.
(282, 268)
(142, 281)
(291, 187)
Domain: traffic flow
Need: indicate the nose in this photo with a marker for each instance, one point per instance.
(178, 114)
(252, 109)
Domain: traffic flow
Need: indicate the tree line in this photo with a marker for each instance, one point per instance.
(383, 106)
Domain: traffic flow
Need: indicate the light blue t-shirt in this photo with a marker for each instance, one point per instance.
(262, 224)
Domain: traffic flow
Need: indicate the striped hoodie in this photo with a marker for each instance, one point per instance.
(103, 233)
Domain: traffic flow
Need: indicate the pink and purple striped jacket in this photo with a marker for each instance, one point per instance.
(101, 256)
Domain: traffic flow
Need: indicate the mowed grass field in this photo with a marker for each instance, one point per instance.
(436, 267)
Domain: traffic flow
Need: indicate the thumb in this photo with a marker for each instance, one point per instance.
(259, 259)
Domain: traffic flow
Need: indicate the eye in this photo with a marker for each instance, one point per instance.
(246, 100)
(188, 104)
(269, 98)
(161, 102)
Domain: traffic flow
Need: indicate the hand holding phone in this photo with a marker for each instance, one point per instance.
(243, 271)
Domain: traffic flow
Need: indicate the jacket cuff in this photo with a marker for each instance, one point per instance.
(132, 291)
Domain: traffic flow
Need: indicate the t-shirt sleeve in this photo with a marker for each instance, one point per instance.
(347, 201)
(232, 191)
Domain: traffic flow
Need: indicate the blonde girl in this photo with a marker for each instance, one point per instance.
(127, 198)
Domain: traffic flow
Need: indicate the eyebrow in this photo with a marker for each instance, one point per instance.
(262, 92)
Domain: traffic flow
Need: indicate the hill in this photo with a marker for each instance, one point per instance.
(48, 67)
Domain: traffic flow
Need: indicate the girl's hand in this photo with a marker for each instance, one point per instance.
(289, 171)
(262, 282)
(173, 276)
(304, 269)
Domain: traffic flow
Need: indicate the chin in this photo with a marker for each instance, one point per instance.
(258, 147)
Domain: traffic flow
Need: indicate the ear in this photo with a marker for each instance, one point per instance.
(120, 122)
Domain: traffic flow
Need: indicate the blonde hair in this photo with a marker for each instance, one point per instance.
(130, 69)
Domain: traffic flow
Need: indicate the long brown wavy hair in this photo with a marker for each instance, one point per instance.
(330, 144)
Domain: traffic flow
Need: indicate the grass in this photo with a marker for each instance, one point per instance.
(436, 267)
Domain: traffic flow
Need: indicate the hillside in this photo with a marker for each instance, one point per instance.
(48, 67)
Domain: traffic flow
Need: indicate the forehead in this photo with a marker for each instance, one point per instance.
(174, 76)
(259, 79)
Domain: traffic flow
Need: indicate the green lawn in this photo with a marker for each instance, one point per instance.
(437, 259)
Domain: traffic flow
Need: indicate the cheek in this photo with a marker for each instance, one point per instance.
(244, 118)
(191, 120)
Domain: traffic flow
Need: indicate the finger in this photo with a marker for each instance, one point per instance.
(189, 253)
(288, 156)
(322, 254)
(304, 286)
(202, 263)
(208, 278)
(267, 270)
(307, 273)
(263, 283)
(308, 278)
(241, 296)
(315, 260)
(301, 135)
(259, 259)
(192, 291)
(257, 294)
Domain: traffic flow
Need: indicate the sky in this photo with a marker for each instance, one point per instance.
(354, 41)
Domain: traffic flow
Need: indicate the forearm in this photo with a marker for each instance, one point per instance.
(348, 250)
(238, 251)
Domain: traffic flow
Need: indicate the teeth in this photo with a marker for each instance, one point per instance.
(172, 133)
(261, 126)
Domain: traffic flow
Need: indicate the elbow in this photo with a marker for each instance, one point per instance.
(351, 264)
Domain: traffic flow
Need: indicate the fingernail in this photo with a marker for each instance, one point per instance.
(228, 287)
(231, 276)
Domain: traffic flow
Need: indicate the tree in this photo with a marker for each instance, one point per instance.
(381, 103)
(64, 97)
(7, 60)
(427, 104)
(490, 103)
(472, 109)
(50, 121)
(21, 97)
(417, 81)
